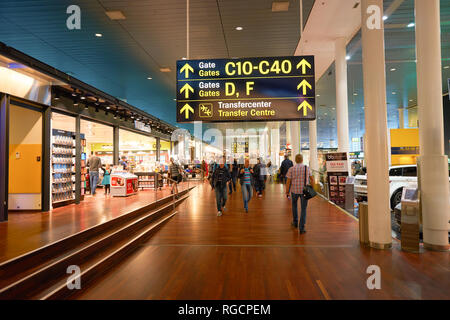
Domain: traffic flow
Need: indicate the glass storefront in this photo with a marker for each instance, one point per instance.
(139, 151)
(99, 140)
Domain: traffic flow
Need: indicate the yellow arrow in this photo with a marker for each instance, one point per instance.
(186, 109)
(304, 84)
(186, 88)
(303, 64)
(305, 106)
(186, 68)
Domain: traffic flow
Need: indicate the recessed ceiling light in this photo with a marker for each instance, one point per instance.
(83, 97)
(115, 15)
(239, 28)
(393, 69)
(98, 35)
(164, 69)
(410, 25)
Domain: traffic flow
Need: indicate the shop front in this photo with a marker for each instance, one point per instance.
(51, 124)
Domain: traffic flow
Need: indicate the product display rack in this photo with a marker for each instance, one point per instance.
(83, 167)
(146, 179)
(63, 167)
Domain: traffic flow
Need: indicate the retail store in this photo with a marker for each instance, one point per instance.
(50, 131)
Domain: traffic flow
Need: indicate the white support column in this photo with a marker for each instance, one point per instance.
(376, 152)
(341, 95)
(434, 184)
(275, 146)
(313, 160)
(401, 118)
(288, 132)
(295, 138)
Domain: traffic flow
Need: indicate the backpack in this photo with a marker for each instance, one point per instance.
(220, 177)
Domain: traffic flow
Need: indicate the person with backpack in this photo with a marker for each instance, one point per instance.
(298, 177)
(217, 164)
(219, 181)
(246, 181)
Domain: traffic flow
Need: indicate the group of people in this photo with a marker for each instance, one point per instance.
(224, 177)
(296, 177)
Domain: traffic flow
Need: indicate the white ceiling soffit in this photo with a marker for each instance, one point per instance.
(328, 21)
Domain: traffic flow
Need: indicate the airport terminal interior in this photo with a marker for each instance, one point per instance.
(224, 150)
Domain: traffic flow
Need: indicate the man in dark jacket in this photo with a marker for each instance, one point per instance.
(219, 183)
(258, 176)
(234, 170)
(285, 165)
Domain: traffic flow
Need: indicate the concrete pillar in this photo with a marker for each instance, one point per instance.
(434, 184)
(295, 138)
(401, 118)
(275, 146)
(376, 152)
(313, 160)
(158, 148)
(288, 133)
(341, 95)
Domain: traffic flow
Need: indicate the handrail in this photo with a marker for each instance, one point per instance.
(173, 195)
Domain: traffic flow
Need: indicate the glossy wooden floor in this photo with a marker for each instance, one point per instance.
(24, 232)
(258, 255)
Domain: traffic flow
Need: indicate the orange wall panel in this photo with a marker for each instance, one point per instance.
(25, 171)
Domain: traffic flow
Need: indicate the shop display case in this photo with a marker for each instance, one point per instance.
(63, 166)
(123, 184)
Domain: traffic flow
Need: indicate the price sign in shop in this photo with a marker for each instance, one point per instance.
(253, 89)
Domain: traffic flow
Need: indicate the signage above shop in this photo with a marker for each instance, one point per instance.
(251, 89)
(142, 126)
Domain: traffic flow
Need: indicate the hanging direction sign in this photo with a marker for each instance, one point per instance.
(253, 89)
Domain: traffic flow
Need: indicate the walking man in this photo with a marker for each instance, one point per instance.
(220, 178)
(94, 163)
(297, 178)
(234, 174)
(284, 168)
(245, 179)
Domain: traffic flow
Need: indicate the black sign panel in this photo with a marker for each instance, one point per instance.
(253, 89)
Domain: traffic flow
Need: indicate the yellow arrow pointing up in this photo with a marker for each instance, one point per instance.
(186, 88)
(303, 64)
(186, 109)
(186, 68)
(305, 106)
(304, 84)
